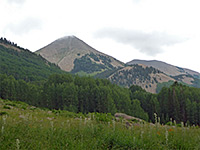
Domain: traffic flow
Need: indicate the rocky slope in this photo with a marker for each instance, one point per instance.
(73, 55)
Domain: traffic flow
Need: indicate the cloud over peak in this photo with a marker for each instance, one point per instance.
(148, 43)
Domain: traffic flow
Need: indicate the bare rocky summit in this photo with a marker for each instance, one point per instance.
(66, 50)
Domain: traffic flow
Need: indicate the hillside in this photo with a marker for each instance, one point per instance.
(165, 67)
(73, 55)
(146, 77)
(186, 76)
(23, 64)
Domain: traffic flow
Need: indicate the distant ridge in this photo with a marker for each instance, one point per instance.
(165, 67)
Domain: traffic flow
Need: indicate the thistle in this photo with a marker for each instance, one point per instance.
(155, 116)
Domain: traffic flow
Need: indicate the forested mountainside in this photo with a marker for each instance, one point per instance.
(146, 77)
(73, 55)
(77, 57)
(23, 64)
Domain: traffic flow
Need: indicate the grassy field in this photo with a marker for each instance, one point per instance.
(27, 127)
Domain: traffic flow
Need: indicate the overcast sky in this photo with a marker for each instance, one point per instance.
(166, 30)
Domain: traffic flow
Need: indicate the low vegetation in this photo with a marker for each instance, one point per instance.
(27, 127)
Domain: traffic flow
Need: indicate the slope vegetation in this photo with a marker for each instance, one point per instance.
(183, 75)
(23, 64)
(146, 77)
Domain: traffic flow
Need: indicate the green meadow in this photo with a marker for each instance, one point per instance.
(27, 127)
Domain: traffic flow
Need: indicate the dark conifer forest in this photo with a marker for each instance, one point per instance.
(85, 94)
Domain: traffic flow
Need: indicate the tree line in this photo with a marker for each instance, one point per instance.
(86, 94)
(72, 93)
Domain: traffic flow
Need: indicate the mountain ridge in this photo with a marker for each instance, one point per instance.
(74, 55)
(161, 65)
(64, 51)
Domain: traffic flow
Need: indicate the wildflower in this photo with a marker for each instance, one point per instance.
(158, 133)
(50, 118)
(51, 125)
(2, 129)
(175, 122)
(170, 121)
(170, 130)
(166, 136)
(4, 119)
(85, 121)
(155, 116)
(158, 120)
(182, 124)
(141, 135)
(17, 143)
(113, 124)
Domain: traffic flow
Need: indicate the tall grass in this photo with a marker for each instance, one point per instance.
(26, 127)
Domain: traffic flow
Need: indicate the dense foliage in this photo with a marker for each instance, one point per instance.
(163, 84)
(23, 64)
(181, 103)
(92, 64)
(85, 94)
(178, 102)
(76, 94)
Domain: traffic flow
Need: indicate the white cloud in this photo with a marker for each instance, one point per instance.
(148, 43)
(139, 29)
(16, 1)
(24, 26)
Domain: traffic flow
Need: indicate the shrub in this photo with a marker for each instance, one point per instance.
(10, 104)
(6, 107)
(3, 113)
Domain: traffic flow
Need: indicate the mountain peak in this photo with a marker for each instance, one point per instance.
(68, 37)
(68, 49)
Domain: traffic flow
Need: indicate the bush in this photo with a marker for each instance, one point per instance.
(6, 107)
(103, 117)
(10, 104)
(3, 113)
